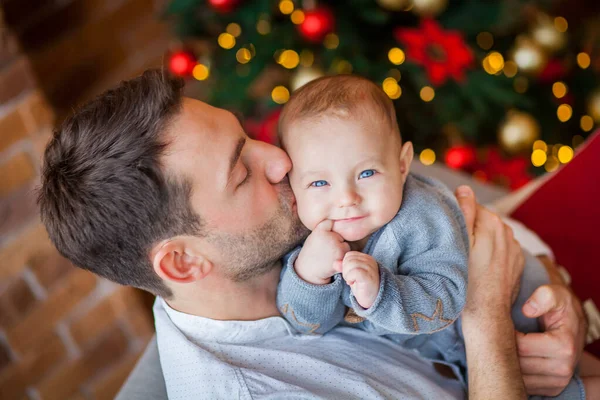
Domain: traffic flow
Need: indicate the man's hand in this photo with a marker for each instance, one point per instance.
(495, 265)
(361, 273)
(496, 260)
(322, 254)
(548, 359)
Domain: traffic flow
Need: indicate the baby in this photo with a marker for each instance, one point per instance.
(388, 251)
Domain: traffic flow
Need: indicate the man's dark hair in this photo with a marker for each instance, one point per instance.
(104, 198)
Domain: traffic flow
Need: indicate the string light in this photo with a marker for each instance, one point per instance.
(586, 123)
(493, 63)
(307, 58)
(538, 157)
(297, 17)
(427, 157)
(540, 145)
(289, 59)
(234, 29)
(280, 94)
(564, 112)
(551, 164)
(583, 60)
(559, 89)
(394, 73)
(427, 94)
(200, 72)
(565, 154)
(396, 56)
(561, 24)
(286, 7)
(510, 69)
(226, 40)
(263, 26)
(243, 55)
(343, 67)
(485, 40)
(391, 88)
(331, 41)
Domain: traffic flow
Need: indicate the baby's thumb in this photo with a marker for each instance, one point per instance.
(325, 225)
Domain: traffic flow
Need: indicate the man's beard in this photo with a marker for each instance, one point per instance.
(255, 253)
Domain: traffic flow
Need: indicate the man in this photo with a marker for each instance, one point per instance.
(168, 194)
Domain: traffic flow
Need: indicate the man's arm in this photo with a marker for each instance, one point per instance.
(495, 267)
(548, 359)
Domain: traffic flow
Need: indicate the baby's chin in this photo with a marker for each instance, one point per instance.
(351, 234)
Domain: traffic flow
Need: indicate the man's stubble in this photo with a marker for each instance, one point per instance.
(255, 253)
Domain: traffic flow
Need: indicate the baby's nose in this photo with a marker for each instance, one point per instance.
(349, 198)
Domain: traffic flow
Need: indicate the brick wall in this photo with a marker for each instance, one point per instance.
(63, 332)
(78, 48)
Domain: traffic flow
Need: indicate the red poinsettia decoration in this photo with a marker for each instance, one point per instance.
(443, 53)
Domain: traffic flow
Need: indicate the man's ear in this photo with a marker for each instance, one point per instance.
(406, 157)
(177, 260)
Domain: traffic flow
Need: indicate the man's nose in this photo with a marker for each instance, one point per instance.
(348, 197)
(277, 163)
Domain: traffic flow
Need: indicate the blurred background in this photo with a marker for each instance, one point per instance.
(501, 90)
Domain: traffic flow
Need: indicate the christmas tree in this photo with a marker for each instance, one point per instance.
(502, 89)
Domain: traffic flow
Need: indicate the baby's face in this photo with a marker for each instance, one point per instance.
(346, 171)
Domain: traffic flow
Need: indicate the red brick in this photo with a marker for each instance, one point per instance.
(65, 382)
(17, 211)
(15, 78)
(15, 302)
(9, 46)
(14, 256)
(5, 359)
(28, 334)
(108, 386)
(99, 318)
(15, 173)
(49, 267)
(37, 111)
(12, 129)
(31, 368)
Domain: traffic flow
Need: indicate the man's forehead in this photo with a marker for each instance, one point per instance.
(200, 133)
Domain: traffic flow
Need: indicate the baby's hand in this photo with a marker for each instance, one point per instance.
(361, 272)
(321, 255)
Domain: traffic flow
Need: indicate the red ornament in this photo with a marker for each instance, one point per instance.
(513, 172)
(462, 157)
(181, 63)
(317, 24)
(224, 6)
(553, 71)
(444, 54)
(266, 129)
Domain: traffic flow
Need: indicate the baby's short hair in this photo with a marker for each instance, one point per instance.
(344, 96)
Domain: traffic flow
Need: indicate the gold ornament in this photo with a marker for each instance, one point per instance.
(518, 132)
(545, 34)
(429, 8)
(393, 5)
(304, 75)
(593, 105)
(528, 55)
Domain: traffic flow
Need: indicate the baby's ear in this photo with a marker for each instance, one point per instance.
(406, 157)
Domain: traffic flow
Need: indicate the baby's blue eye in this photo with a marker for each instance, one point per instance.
(366, 173)
(318, 183)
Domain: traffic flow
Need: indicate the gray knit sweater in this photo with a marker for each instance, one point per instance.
(422, 255)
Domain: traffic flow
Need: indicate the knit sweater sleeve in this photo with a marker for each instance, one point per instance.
(427, 291)
(309, 308)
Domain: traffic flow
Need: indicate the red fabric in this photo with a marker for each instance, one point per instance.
(565, 213)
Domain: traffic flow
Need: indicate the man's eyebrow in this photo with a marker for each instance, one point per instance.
(236, 154)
